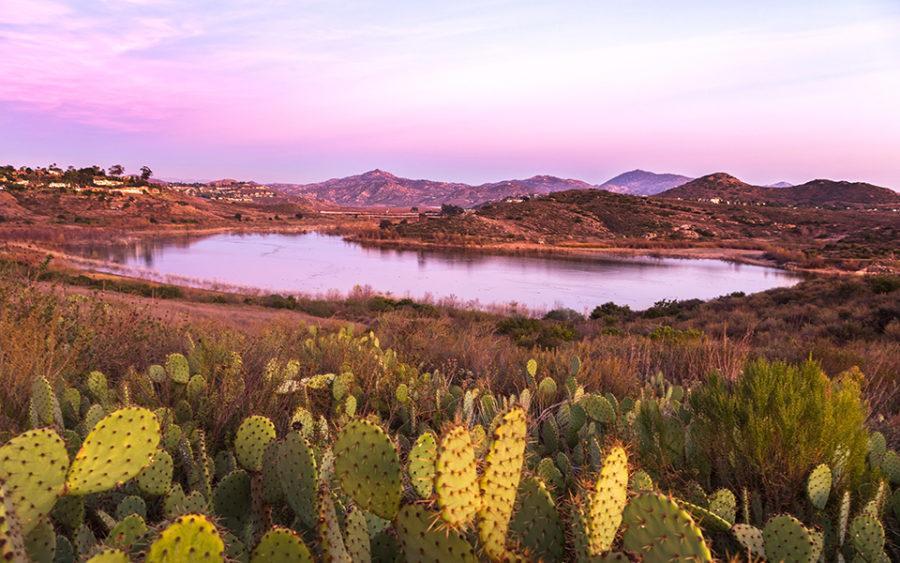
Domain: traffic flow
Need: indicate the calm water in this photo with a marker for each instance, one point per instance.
(318, 264)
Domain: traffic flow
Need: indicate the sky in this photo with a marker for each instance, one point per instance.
(474, 91)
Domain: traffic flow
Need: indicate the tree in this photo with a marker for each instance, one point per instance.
(116, 170)
(146, 173)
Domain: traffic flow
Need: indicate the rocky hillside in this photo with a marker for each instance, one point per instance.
(641, 182)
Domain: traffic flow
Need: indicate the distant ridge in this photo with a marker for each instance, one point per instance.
(830, 193)
(780, 185)
(641, 182)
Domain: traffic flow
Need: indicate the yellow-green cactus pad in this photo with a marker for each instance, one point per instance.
(502, 472)
(456, 479)
(296, 468)
(818, 486)
(177, 368)
(110, 555)
(33, 467)
(40, 542)
(155, 479)
(12, 545)
(424, 542)
(786, 539)
(536, 525)
(190, 538)
(331, 541)
(420, 465)
(356, 536)
(253, 435)
(281, 545)
(608, 501)
(368, 467)
(127, 532)
(657, 529)
(116, 450)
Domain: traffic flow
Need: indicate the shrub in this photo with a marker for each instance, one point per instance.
(610, 310)
(564, 315)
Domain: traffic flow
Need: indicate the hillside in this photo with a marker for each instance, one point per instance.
(724, 188)
(380, 188)
(641, 182)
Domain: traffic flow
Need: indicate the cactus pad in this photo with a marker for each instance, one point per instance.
(818, 486)
(535, 523)
(69, 512)
(12, 545)
(723, 504)
(116, 450)
(33, 469)
(890, 466)
(40, 542)
(751, 538)
(608, 501)
(156, 373)
(177, 368)
(787, 539)
(502, 472)
(368, 467)
(657, 529)
(155, 479)
(641, 481)
(421, 465)
(109, 555)
(231, 500)
(253, 435)
(547, 390)
(867, 537)
(44, 409)
(598, 408)
(129, 505)
(424, 543)
(356, 536)
(281, 545)
(97, 386)
(190, 538)
(456, 478)
(297, 473)
(331, 541)
(128, 532)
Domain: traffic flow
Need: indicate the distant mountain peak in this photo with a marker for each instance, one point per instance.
(642, 182)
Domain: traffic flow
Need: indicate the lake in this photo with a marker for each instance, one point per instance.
(318, 264)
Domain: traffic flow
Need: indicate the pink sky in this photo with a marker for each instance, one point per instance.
(472, 91)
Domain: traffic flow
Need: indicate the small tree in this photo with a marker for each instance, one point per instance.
(146, 173)
(116, 170)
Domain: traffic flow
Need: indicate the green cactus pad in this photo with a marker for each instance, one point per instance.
(597, 408)
(536, 524)
(657, 529)
(155, 479)
(271, 482)
(456, 478)
(368, 467)
(196, 388)
(706, 518)
(547, 390)
(231, 500)
(751, 538)
(253, 435)
(116, 450)
(331, 541)
(33, 469)
(190, 538)
(156, 373)
(867, 537)
(641, 481)
(551, 475)
(281, 545)
(129, 505)
(97, 386)
(69, 512)
(43, 408)
(607, 501)
(890, 466)
(550, 436)
(421, 465)
(109, 555)
(177, 368)
(40, 542)
(531, 367)
(298, 476)
(787, 539)
(356, 536)
(174, 501)
(128, 532)
(818, 486)
(499, 482)
(723, 504)
(84, 540)
(423, 542)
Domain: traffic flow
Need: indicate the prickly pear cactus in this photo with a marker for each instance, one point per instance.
(657, 529)
(547, 390)
(751, 538)
(456, 478)
(109, 555)
(12, 544)
(44, 409)
(423, 542)
(128, 532)
(281, 545)
(231, 500)
(155, 479)
(787, 539)
(129, 505)
(818, 486)
(97, 386)
(298, 476)
(331, 541)
(535, 524)
(40, 542)
(116, 450)
(890, 466)
(608, 501)
(69, 512)
(421, 465)
(641, 481)
(368, 468)
(190, 538)
(867, 537)
(36, 452)
(597, 408)
(499, 482)
(253, 435)
(723, 504)
(177, 368)
(156, 373)
(356, 536)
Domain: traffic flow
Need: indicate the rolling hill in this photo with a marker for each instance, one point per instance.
(724, 188)
(641, 182)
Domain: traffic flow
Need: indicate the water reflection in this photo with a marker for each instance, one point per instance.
(316, 264)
